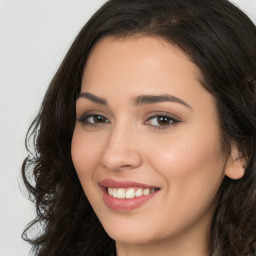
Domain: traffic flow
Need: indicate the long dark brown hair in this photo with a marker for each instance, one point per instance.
(221, 40)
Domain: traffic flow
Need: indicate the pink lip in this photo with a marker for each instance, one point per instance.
(123, 184)
(124, 205)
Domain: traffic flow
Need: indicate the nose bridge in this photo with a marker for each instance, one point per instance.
(121, 149)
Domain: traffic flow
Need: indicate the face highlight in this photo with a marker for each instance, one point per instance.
(146, 145)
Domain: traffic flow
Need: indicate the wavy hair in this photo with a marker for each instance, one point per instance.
(221, 40)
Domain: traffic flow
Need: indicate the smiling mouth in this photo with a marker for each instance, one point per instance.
(126, 195)
(130, 193)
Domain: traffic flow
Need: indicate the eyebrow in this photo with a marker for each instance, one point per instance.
(93, 98)
(139, 100)
(151, 99)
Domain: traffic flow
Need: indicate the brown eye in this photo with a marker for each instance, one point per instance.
(164, 120)
(93, 119)
(161, 122)
(98, 119)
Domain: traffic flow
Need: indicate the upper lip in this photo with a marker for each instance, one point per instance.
(123, 184)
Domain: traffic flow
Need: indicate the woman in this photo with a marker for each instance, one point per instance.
(145, 142)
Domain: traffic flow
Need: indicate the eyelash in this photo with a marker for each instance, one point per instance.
(171, 121)
(85, 120)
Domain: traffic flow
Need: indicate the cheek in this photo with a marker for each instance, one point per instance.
(189, 152)
(85, 154)
(193, 167)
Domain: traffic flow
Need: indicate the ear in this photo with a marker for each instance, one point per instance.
(236, 162)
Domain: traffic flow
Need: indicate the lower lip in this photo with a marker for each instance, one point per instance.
(125, 205)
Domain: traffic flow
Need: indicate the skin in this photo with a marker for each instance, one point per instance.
(184, 159)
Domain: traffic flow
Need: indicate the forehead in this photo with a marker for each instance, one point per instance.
(138, 60)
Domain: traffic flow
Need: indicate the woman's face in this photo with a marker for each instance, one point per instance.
(146, 145)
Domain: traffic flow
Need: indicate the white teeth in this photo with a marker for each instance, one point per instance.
(139, 192)
(120, 193)
(110, 191)
(130, 193)
(114, 192)
(146, 191)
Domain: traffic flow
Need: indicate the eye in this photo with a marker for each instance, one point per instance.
(162, 121)
(93, 119)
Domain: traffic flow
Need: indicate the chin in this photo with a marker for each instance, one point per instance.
(132, 239)
(137, 235)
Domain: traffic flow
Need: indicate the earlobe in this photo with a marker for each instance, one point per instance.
(236, 163)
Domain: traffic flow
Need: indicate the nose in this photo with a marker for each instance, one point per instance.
(122, 151)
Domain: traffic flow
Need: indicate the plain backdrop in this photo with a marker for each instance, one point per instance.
(34, 37)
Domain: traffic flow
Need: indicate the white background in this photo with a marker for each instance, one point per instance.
(34, 37)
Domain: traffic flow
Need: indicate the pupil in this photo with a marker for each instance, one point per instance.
(99, 119)
(162, 120)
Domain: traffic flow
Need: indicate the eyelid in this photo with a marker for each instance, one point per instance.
(163, 113)
(87, 113)
(172, 117)
(84, 117)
